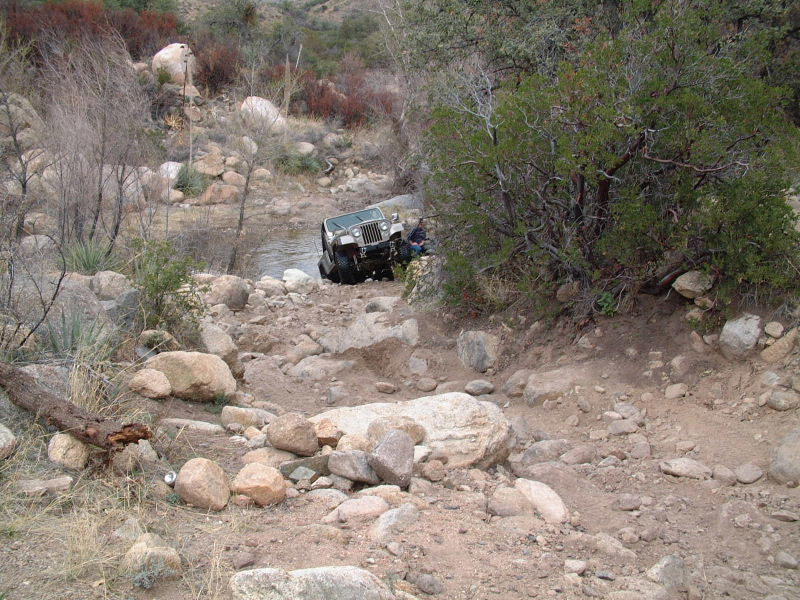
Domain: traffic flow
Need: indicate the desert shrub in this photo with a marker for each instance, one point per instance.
(191, 182)
(143, 32)
(73, 335)
(293, 163)
(218, 63)
(171, 298)
(90, 256)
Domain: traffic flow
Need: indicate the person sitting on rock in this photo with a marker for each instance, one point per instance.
(417, 238)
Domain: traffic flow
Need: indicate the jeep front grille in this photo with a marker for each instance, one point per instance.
(371, 233)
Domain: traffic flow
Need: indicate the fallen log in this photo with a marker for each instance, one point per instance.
(25, 392)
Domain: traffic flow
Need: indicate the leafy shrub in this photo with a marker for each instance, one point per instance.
(90, 257)
(191, 182)
(171, 298)
(163, 76)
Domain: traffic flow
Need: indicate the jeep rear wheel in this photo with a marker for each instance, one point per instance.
(346, 268)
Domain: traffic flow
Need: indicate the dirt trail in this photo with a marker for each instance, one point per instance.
(625, 514)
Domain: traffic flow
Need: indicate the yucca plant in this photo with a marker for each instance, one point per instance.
(191, 182)
(90, 257)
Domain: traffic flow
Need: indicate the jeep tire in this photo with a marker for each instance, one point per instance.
(346, 268)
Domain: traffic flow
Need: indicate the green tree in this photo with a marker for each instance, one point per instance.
(647, 140)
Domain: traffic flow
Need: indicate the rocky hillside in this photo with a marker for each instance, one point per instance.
(328, 441)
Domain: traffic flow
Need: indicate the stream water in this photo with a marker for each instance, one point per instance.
(293, 249)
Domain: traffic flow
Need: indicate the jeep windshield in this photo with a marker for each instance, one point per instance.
(347, 221)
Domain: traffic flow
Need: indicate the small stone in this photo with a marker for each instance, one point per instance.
(685, 467)
(426, 384)
(783, 400)
(627, 502)
(671, 572)
(353, 441)
(384, 387)
(773, 329)
(622, 427)
(433, 470)
(785, 466)
(150, 383)
(544, 499)
(508, 502)
(677, 390)
(479, 387)
(724, 475)
(685, 446)
(394, 521)
(748, 473)
(357, 509)
(425, 582)
(785, 515)
(785, 560)
(580, 455)
(584, 405)
(395, 548)
(240, 560)
(328, 434)
(628, 536)
(8, 442)
(68, 451)
(607, 575)
(575, 566)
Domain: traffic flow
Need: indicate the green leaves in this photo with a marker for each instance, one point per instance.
(650, 133)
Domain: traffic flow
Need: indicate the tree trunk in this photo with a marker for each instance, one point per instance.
(23, 391)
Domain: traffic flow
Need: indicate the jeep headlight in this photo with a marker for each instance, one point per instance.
(384, 226)
(356, 232)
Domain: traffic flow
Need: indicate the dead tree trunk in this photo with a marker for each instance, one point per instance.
(23, 391)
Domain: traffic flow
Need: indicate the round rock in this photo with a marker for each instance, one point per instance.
(294, 433)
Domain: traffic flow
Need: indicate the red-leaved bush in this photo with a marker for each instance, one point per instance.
(218, 62)
(144, 33)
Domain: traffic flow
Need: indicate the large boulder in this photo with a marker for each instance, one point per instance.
(740, 335)
(176, 60)
(194, 375)
(785, 467)
(203, 483)
(265, 379)
(367, 330)
(150, 383)
(217, 193)
(109, 285)
(478, 350)
(263, 114)
(230, 290)
(298, 281)
(212, 164)
(319, 583)
(459, 427)
(170, 171)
